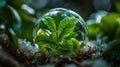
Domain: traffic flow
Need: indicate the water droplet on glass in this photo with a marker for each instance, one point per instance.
(59, 14)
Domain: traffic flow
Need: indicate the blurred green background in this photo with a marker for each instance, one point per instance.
(18, 17)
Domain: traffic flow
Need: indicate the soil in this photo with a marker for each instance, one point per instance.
(13, 57)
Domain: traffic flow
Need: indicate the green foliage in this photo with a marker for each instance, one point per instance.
(56, 39)
(117, 4)
(15, 3)
(74, 45)
(110, 24)
(13, 37)
(108, 27)
(26, 31)
(66, 27)
(11, 24)
(7, 15)
(114, 49)
(93, 30)
(50, 23)
(16, 19)
(114, 32)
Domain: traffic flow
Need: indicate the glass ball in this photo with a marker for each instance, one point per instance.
(64, 23)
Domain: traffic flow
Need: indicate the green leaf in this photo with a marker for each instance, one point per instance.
(40, 32)
(70, 47)
(74, 45)
(16, 25)
(15, 3)
(26, 31)
(43, 47)
(50, 23)
(67, 36)
(93, 31)
(66, 25)
(13, 37)
(117, 5)
(64, 48)
(41, 36)
(52, 49)
(7, 15)
(113, 50)
(110, 24)
(25, 17)
(47, 48)
(54, 37)
(11, 17)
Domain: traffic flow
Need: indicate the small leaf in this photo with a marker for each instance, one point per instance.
(15, 3)
(41, 36)
(66, 25)
(64, 48)
(6, 14)
(43, 48)
(40, 32)
(117, 5)
(13, 37)
(75, 46)
(17, 19)
(93, 31)
(52, 49)
(26, 31)
(54, 37)
(50, 23)
(113, 50)
(110, 24)
(71, 35)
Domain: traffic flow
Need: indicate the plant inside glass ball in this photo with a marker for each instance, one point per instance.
(60, 32)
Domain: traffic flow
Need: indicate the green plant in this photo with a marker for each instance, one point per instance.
(58, 38)
(14, 20)
(112, 22)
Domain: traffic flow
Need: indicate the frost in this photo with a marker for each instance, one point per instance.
(96, 45)
(86, 63)
(100, 63)
(26, 46)
(47, 65)
(71, 65)
(95, 63)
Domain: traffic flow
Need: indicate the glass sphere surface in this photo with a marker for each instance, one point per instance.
(72, 25)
